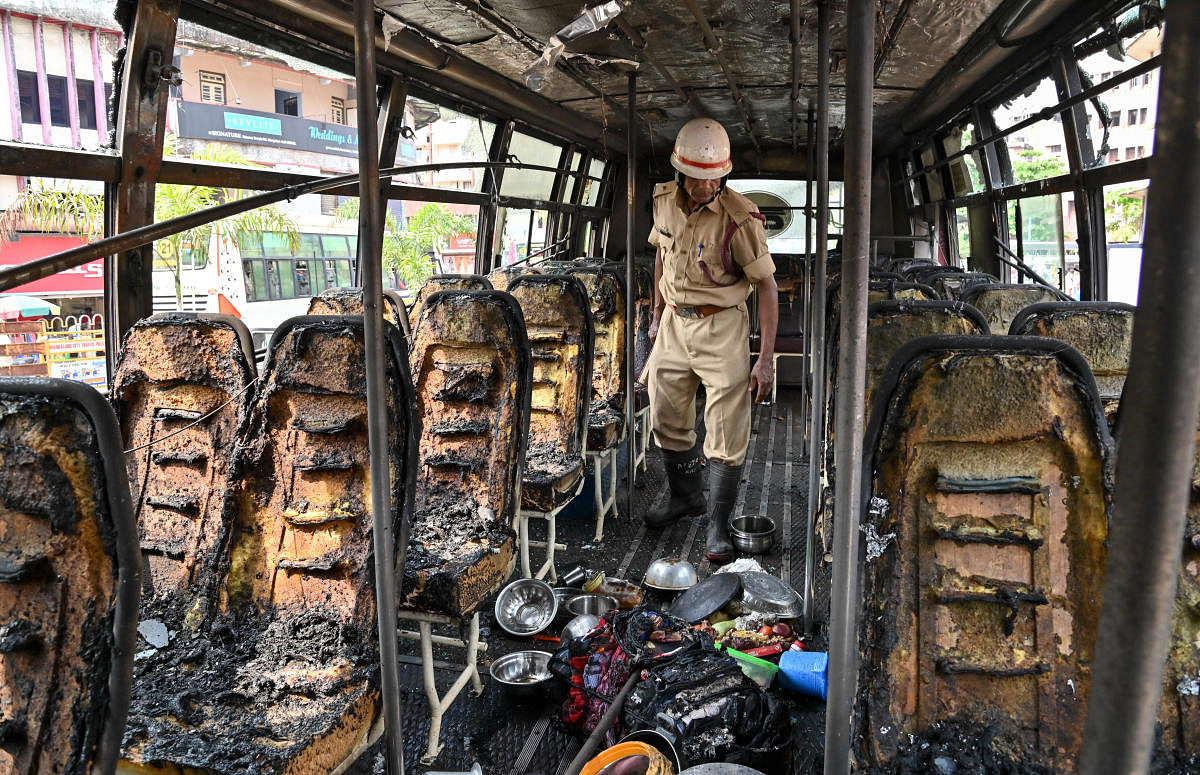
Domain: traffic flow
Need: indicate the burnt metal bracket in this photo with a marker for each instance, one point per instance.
(155, 72)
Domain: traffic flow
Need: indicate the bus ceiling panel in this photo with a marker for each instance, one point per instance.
(922, 35)
(1027, 29)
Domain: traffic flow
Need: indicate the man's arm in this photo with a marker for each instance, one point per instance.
(659, 302)
(762, 376)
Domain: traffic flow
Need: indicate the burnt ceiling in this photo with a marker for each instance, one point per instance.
(914, 39)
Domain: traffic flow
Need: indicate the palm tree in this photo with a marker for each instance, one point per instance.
(70, 210)
(407, 251)
(172, 200)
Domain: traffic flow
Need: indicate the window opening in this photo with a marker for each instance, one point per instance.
(212, 87)
(287, 102)
(337, 110)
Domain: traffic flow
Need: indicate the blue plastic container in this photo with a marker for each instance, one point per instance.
(804, 672)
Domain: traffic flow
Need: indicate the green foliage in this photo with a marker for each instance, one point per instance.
(409, 251)
(67, 210)
(1035, 165)
(1123, 216)
(191, 246)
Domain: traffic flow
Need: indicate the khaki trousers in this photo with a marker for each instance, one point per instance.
(713, 351)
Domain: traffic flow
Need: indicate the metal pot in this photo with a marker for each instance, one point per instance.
(578, 627)
(597, 605)
(752, 534)
(522, 673)
(670, 575)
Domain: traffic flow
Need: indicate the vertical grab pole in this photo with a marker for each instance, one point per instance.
(816, 439)
(1157, 446)
(806, 290)
(848, 451)
(370, 233)
(630, 290)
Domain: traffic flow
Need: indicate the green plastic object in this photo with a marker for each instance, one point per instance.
(758, 670)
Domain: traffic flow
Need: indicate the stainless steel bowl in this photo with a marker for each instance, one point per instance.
(526, 607)
(670, 575)
(597, 605)
(563, 595)
(522, 673)
(752, 534)
(578, 627)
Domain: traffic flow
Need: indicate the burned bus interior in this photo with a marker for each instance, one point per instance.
(326, 432)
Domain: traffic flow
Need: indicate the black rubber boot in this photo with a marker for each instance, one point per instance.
(723, 482)
(685, 480)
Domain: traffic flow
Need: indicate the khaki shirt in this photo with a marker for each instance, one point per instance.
(699, 249)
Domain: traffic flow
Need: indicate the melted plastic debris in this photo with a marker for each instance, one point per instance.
(876, 543)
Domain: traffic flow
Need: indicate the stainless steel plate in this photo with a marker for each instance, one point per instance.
(765, 593)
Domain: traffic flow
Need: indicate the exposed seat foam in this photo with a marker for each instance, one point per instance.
(558, 320)
(986, 549)
(182, 386)
(471, 367)
(447, 282)
(68, 579)
(1000, 302)
(1102, 332)
(285, 678)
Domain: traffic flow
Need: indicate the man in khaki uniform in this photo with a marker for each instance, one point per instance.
(711, 251)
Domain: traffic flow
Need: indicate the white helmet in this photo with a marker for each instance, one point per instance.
(702, 150)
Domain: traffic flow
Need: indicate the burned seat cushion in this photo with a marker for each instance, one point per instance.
(349, 301)
(283, 679)
(470, 365)
(181, 388)
(1000, 302)
(1102, 332)
(58, 582)
(985, 547)
(559, 323)
(606, 414)
(448, 282)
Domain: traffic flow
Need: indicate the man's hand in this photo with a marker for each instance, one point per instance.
(762, 377)
(653, 330)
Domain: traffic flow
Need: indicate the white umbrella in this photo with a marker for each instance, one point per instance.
(18, 305)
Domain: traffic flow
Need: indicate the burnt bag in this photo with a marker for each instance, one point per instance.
(716, 714)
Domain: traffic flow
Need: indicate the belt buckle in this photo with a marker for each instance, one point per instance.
(689, 312)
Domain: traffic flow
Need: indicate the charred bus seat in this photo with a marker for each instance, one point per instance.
(1000, 302)
(285, 677)
(471, 369)
(558, 319)
(349, 301)
(606, 420)
(69, 574)
(921, 273)
(877, 290)
(1102, 332)
(183, 385)
(447, 282)
(891, 325)
(502, 276)
(985, 546)
(951, 285)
